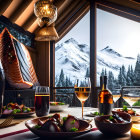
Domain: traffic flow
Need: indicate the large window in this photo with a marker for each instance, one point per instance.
(118, 53)
(72, 54)
(72, 59)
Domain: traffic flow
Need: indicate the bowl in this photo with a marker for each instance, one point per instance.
(113, 128)
(84, 128)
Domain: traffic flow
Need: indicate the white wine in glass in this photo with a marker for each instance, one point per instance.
(82, 90)
(116, 97)
(131, 99)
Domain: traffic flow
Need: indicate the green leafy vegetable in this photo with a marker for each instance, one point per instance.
(28, 109)
(37, 126)
(14, 111)
(73, 129)
(61, 103)
(64, 119)
(111, 118)
(125, 108)
(72, 122)
(101, 114)
(53, 103)
(9, 108)
(18, 110)
(96, 113)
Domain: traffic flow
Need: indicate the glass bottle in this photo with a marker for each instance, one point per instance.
(105, 98)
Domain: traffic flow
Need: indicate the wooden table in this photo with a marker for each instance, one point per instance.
(76, 111)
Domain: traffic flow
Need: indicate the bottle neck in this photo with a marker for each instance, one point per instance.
(104, 83)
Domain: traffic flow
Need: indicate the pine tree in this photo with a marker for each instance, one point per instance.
(61, 81)
(128, 77)
(111, 84)
(103, 72)
(87, 73)
(137, 72)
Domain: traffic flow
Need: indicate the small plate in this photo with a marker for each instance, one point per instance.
(57, 108)
(30, 124)
(21, 115)
(91, 114)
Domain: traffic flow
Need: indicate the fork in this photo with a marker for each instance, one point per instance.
(6, 122)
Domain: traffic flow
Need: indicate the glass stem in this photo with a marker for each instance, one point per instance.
(82, 107)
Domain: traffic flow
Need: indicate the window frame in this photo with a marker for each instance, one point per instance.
(106, 6)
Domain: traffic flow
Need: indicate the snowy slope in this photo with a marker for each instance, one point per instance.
(73, 58)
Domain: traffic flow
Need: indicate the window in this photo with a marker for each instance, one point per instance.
(72, 55)
(118, 53)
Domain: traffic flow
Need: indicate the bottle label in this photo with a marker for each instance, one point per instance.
(105, 108)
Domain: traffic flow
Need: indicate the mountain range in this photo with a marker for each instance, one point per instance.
(73, 58)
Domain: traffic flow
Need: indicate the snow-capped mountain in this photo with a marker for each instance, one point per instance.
(73, 58)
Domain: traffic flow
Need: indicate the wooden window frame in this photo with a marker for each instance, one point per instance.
(106, 6)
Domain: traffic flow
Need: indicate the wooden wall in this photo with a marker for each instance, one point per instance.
(42, 62)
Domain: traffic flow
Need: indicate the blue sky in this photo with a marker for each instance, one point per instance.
(121, 34)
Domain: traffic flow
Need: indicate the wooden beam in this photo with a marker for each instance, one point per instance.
(67, 26)
(3, 5)
(68, 12)
(93, 53)
(119, 10)
(12, 7)
(52, 70)
(31, 19)
(43, 62)
(19, 10)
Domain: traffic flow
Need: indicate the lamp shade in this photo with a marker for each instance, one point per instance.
(47, 34)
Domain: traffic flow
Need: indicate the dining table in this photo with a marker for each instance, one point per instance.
(21, 132)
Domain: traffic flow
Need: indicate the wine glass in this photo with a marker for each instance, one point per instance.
(131, 99)
(116, 97)
(82, 90)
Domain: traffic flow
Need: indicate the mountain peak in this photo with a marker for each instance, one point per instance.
(72, 40)
(111, 51)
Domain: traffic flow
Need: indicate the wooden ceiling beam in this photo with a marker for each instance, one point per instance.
(29, 21)
(68, 12)
(12, 7)
(4, 5)
(73, 21)
(24, 4)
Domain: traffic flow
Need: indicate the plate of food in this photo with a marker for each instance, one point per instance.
(135, 116)
(58, 106)
(93, 114)
(17, 110)
(58, 127)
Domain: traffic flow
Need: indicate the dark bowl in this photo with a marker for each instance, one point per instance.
(84, 128)
(114, 128)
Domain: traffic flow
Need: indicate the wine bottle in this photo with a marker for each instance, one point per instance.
(105, 97)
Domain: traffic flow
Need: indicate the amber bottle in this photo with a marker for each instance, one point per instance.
(105, 98)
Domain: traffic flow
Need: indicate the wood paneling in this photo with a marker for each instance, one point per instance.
(43, 62)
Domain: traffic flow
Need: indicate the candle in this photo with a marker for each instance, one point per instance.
(135, 132)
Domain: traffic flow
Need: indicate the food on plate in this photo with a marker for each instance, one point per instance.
(115, 118)
(129, 111)
(56, 103)
(56, 124)
(96, 113)
(15, 108)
